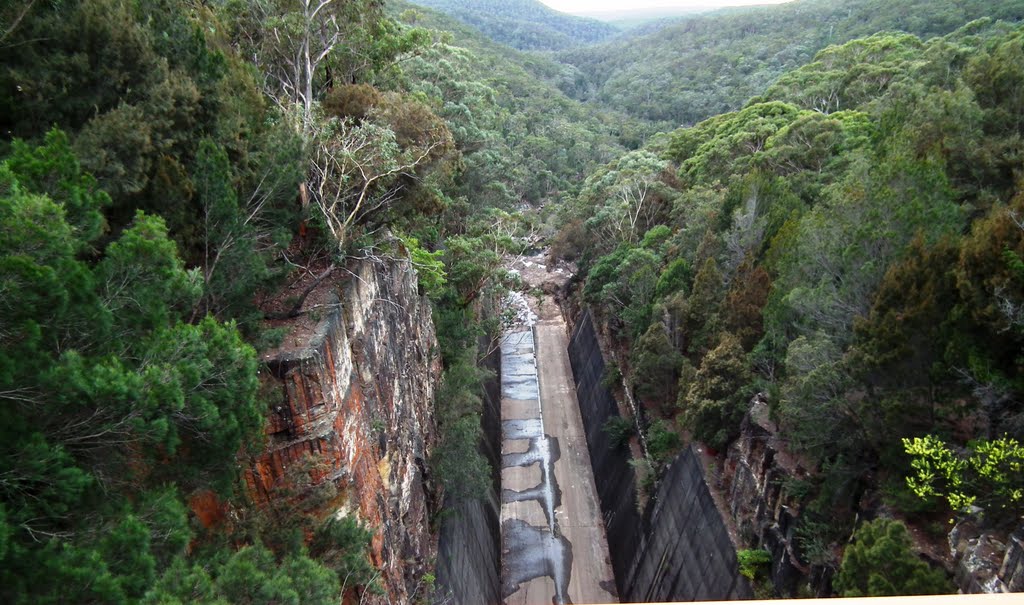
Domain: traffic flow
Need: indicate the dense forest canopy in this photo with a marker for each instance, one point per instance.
(167, 168)
(704, 65)
(522, 137)
(525, 24)
(847, 244)
(839, 226)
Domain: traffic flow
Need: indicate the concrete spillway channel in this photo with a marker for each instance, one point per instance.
(554, 548)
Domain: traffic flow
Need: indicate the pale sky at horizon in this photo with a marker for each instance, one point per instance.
(594, 6)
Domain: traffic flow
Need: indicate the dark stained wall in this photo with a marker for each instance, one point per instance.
(679, 549)
(469, 544)
(613, 476)
(685, 553)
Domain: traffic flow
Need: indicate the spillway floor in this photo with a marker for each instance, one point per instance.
(554, 548)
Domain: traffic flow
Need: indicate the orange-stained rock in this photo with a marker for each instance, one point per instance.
(358, 399)
(208, 508)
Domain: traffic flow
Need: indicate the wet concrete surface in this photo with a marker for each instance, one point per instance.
(553, 544)
(530, 550)
(526, 428)
(535, 552)
(543, 452)
(578, 517)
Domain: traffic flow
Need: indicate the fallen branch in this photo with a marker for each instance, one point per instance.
(296, 309)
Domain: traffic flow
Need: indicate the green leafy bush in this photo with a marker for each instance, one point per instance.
(612, 378)
(619, 430)
(675, 277)
(457, 460)
(753, 561)
(342, 545)
(429, 265)
(662, 441)
(656, 366)
(989, 474)
(880, 563)
(715, 402)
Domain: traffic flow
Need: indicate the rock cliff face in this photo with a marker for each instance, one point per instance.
(354, 393)
(1012, 570)
(987, 561)
(756, 470)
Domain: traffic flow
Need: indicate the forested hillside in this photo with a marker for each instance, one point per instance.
(838, 227)
(173, 175)
(523, 138)
(525, 24)
(849, 245)
(709, 64)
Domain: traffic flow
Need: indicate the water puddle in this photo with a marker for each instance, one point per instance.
(511, 430)
(529, 552)
(544, 450)
(534, 552)
(519, 367)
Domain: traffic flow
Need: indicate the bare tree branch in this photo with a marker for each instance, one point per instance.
(17, 20)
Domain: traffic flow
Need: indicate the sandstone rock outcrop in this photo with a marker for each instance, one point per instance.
(354, 393)
(757, 470)
(987, 561)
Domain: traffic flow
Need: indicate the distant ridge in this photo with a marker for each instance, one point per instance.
(646, 20)
(525, 24)
(630, 17)
(641, 15)
(703, 65)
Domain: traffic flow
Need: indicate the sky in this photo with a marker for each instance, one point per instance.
(596, 6)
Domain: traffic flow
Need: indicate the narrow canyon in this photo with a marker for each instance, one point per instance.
(554, 548)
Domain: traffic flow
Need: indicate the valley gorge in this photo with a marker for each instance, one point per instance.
(328, 420)
(339, 302)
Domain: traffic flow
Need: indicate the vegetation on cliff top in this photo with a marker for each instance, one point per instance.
(847, 239)
(156, 188)
(856, 234)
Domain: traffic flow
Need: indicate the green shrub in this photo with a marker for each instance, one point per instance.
(656, 366)
(342, 545)
(656, 237)
(675, 277)
(429, 266)
(645, 478)
(612, 377)
(990, 475)
(880, 563)
(619, 430)
(753, 561)
(716, 401)
(662, 441)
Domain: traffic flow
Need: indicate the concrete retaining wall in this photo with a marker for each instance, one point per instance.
(685, 553)
(468, 551)
(679, 549)
(613, 476)
(469, 544)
